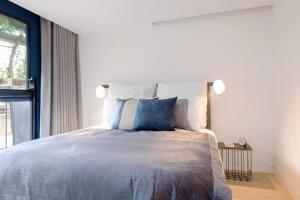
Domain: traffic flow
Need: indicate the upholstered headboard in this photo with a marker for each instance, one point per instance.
(209, 85)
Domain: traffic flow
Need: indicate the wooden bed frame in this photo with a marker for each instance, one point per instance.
(209, 85)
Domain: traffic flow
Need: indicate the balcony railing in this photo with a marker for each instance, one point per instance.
(6, 135)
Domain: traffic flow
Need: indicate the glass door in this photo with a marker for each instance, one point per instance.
(15, 122)
(16, 89)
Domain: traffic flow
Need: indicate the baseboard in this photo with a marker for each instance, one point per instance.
(290, 190)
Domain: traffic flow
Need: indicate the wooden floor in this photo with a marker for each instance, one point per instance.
(263, 186)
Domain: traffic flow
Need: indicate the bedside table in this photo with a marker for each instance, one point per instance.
(237, 161)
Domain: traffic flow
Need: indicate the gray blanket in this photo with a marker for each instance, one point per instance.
(98, 164)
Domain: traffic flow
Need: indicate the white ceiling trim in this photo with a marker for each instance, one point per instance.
(205, 14)
(169, 10)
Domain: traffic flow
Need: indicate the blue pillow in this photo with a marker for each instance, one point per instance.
(155, 114)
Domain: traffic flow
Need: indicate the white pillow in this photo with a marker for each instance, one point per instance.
(110, 113)
(196, 93)
(127, 91)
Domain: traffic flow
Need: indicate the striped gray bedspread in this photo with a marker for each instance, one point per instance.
(96, 164)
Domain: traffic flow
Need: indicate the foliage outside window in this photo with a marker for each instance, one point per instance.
(13, 53)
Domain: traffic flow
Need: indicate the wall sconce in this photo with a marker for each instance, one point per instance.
(219, 87)
(100, 92)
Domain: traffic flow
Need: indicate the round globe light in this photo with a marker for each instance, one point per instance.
(219, 87)
(100, 92)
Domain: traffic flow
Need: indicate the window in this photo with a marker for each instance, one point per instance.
(15, 116)
(20, 56)
(13, 53)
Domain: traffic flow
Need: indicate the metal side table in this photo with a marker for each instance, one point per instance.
(237, 161)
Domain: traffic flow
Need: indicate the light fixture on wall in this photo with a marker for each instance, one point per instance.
(219, 87)
(100, 92)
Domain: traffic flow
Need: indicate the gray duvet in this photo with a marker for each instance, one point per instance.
(96, 164)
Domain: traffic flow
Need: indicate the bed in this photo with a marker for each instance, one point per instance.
(95, 163)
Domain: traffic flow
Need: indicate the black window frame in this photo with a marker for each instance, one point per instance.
(33, 41)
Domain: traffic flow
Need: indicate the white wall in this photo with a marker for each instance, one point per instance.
(236, 47)
(287, 148)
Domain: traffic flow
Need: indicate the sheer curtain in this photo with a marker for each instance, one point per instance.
(60, 80)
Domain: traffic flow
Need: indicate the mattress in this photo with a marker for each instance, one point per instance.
(96, 164)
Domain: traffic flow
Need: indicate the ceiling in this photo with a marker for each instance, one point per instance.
(94, 16)
(89, 16)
